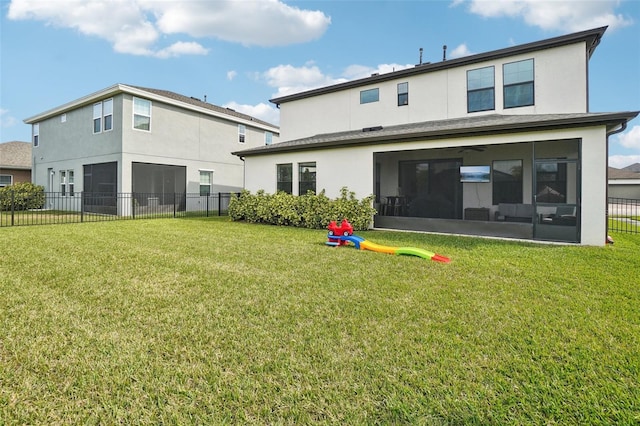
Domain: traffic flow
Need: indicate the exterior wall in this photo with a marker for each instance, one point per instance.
(628, 189)
(354, 167)
(560, 87)
(71, 144)
(17, 175)
(191, 139)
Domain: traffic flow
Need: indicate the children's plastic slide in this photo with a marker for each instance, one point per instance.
(343, 234)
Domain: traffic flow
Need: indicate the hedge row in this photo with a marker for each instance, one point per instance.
(305, 211)
(23, 196)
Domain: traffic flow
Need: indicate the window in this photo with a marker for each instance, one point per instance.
(103, 116)
(36, 134)
(141, 114)
(67, 182)
(285, 177)
(403, 94)
(518, 84)
(63, 118)
(507, 181)
(307, 177)
(108, 114)
(480, 89)
(97, 117)
(6, 180)
(63, 182)
(268, 138)
(368, 96)
(242, 129)
(206, 179)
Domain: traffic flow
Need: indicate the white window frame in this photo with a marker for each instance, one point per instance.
(242, 133)
(206, 172)
(67, 183)
(35, 130)
(107, 104)
(268, 138)
(2, 185)
(63, 118)
(141, 114)
(97, 118)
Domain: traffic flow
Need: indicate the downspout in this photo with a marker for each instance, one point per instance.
(623, 127)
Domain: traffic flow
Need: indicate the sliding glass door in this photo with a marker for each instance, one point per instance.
(557, 201)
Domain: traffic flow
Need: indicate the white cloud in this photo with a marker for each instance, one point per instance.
(354, 72)
(562, 15)
(289, 79)
(262, 111)
(7, 120)
(231, 75)
(460, 51)
(136, 26)
(631, 138)
(621, 161)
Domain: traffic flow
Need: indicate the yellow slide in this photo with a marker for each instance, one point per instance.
(366, 245)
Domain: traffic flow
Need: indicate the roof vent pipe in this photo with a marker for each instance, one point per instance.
(444, 52)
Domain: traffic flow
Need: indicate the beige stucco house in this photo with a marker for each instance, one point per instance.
(15, 163)
(501, 143)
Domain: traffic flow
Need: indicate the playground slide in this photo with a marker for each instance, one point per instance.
(363, 244)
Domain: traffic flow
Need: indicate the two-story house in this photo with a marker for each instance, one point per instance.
(153, 143)
(500, 143)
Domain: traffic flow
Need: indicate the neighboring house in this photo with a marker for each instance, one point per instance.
(15, 163)
(624, 183)
(129, 139)
(519, 115)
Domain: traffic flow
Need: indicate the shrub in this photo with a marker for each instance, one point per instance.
(23, 195)
(308, 211)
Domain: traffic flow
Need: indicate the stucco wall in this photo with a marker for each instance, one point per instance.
(560, 87)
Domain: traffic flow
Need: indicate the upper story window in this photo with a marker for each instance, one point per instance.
(518, 83)
(141, 114)
(97, 117)
(103, 116)
(35, 130)
(242, 130)
(481, 89)
(285, 177)
(403, 94)
(63, 118)
(108, 114)
(368, 96)
(268, 138)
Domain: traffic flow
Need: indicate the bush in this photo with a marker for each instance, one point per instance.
(307, 211)
(25, 196)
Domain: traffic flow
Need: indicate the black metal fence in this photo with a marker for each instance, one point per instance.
(624, 215)
(56, 207)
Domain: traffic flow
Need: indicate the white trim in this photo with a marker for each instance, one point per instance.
(122, 88)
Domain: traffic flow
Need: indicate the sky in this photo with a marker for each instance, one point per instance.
(241, 53)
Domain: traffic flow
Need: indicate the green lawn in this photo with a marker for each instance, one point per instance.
(204, 321)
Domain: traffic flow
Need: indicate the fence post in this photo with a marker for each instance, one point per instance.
(219, 203)
(208, 195)
(13, 200)
(174, 205)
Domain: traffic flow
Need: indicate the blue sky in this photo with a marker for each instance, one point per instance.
(242, 53)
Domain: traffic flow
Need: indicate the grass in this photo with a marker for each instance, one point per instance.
(182, 321)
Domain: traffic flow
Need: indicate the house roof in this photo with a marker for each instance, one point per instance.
(15, 155)
(440, 129)
(623, 174)
(635, 167)
(164, 96)
(590, 37)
